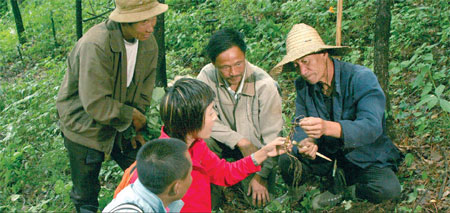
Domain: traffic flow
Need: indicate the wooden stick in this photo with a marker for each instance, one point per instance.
(339, 23)
(323, 156)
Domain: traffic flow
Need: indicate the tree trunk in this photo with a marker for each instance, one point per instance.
(19, 23)
(161, 76)
(3, 7)
(79, 18)
(381, 54)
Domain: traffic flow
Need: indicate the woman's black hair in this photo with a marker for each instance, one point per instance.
(183, 107)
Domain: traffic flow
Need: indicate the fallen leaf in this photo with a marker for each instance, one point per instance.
(446, 193)
(435, 156)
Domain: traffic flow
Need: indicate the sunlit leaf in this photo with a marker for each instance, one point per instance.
(432, 102)
(445, 105)
(347, 204)
(439, 90)
(14, 197)
(428, 57)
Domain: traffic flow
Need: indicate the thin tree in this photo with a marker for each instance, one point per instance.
(161, 76)
(79, 18)
(381, 54)
(18, 19)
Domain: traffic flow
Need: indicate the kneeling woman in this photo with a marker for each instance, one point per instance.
(188, 114)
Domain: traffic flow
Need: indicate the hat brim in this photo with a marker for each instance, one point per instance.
(332, 50)
(139, 16)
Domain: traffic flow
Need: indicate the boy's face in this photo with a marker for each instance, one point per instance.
(185, 183)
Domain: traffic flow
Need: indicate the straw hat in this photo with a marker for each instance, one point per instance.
(136, 10)
(301, 41)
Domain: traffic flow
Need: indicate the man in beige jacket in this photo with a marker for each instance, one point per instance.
(107, 88)
(248, 105)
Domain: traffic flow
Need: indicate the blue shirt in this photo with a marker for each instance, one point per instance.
(357, 104)
(146, 200)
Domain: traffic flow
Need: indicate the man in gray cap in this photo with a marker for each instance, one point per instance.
(339, 113)
(107, 88)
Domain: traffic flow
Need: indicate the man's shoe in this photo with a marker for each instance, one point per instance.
(293, 194)
(326, 199)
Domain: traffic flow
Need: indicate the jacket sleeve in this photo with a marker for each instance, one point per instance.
(370, 103)
(224, 173)
(270, 119)
(96, 83)
(220, 132)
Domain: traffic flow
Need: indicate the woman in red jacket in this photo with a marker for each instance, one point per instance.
(188, 114)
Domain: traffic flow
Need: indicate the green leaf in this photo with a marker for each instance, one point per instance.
(445, 105)
(439, 90)
(424, 175)
(347, 204)
(426, 89)
(425, 99)
(409, 159)
(433, 101)
(412, 196)
(428, 57)
(59, 187)
(419, 80)
(158, 93)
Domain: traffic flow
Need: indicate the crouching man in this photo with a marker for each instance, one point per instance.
(339, 113)
(164, 167)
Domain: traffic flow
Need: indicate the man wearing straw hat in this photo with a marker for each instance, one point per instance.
(107, 88)
(248, 106)
(339, 113)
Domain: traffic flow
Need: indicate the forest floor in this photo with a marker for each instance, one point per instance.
(425, 186)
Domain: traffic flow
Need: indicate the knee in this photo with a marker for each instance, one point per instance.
(284, 162)
(379, 193)
(390, 191)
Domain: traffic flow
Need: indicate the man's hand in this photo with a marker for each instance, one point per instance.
(308, 147)
(313, 127)
(246, 147)
(138, 138)
(258, 189)
(139, 122)
(139, 119)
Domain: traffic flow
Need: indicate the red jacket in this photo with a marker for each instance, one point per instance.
(208, 168)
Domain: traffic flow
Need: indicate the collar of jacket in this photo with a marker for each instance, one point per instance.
(249, 80)
(337, 75)
(116, 41)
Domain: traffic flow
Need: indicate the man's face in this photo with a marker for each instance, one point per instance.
(313, 67)
(231, 65)
(143, 29)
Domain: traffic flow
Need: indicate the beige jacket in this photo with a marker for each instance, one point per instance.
(256, 115)
(93, 102)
